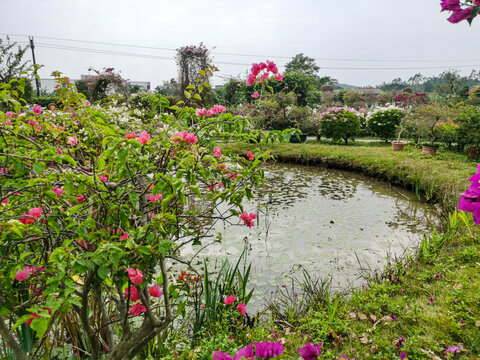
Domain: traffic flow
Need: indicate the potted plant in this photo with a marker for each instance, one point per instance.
(398, 145)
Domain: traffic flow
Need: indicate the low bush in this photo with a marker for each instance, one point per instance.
(338, 123)
(384, 122)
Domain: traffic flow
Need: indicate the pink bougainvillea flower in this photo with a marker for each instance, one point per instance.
(124, 236)
(135, 276)
(279, 77)
(431, 300)
(272, 67)
(155, 291)
(255, 95)
(268, 349)
(9, 114)
(26, 219)
(246, 352)
(32, 122)
(103, 178)
(81, 198)
(8, 122)
(72, 140)
(242, 308)
(87, 103)
(310, 351)
(220, 355)
(58, 191)
(250, 156)
(143, 137)
(155, 198)
(23, 275)
(217, 152)
(35, 212)
(229, 300)
(5, 201)
(130, 135)
(403, 355)
(453, 349)
(344, 357)
(201, 112)
(133, 293)
(37, 109)
(137, 309)
(189, 138)
(248, 219)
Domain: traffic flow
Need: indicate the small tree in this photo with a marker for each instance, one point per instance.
(11, 60)
(304, 64)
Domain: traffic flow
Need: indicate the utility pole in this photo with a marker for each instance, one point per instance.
(32, 46)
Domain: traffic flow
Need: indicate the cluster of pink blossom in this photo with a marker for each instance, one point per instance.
(460, 13)
(143, 137)
(189, 138)
(269, 67)
(27, 271)
(138, 308)
(216, 109)
(248, 218)
(333, 113)
(229, 300)
(448, 123)
(33, 213)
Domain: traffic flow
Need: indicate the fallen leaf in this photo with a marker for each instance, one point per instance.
(477, 323)
(373, 349)
(352, 315)
(457, 286)
(364, 339)
(362, 316)
(373, 317)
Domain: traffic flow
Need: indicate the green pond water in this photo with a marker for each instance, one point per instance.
(330, 222)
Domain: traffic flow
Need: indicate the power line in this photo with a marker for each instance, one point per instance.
(252, 55)
(148, 56)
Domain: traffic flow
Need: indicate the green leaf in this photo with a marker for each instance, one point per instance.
(40, 325)
(122, 155)
(133, 198)
(190, 87)
(103, 271)
(198, 97)
(187, 94)
(39, 167)
(200, 88)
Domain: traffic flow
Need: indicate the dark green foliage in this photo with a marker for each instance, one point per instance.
(384, 123)
(469, 129)
(44, 101)
(168, 88)
(303, 64)
(11, 60)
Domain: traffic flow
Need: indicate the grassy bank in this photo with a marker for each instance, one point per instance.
(440, 178)
(422, 305)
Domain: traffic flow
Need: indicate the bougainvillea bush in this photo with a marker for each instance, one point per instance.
(338, 123)
(95, 205)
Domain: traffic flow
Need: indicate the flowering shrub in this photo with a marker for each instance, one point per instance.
(94, 203)
(468, 11)
(383, 122)
(338, 123)
(409, 99)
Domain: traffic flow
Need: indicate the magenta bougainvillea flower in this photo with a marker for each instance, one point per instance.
(154, 198)
(229, 300)
(246, 352)
(133, 293)
(269, 67)
(135, 275)
(37, 109)
(35, 212)
(72, 140)
(268, 349)
(470, 199)
(403, 355)
(189, 138)
(155, 291)
(310, 351)
(137, 309)
(220, 355)
(248, 218)
(255, 95)
(23, 275)
(242, 308)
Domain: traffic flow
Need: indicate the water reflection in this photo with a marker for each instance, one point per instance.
(325, 220)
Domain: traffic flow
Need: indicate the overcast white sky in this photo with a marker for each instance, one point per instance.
(407, 33)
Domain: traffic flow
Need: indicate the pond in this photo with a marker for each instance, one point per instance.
(330, 222)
